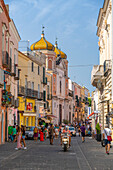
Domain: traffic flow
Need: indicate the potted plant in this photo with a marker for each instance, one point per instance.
(98, 130)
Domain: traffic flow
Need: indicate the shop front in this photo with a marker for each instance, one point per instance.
(27, 111)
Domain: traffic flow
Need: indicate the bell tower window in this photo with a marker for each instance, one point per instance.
(50, 65)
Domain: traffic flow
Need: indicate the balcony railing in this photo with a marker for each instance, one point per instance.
(30, 93)
(6, 60)
(1, 77)
(17, 74)
(21, 90)
(13, 70)
(49, 96)
(107, 66)
(96, 74)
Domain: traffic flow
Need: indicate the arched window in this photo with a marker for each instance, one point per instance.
(50, 64)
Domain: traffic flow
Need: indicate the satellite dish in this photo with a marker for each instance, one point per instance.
(99, 84)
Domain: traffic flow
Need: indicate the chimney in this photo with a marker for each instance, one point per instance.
(7, 7)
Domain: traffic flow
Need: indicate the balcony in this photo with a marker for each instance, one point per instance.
(30, 93)
(13, 71)
(107, 67)
(1, 78)
(17, 74)
(21, 91)
(49, 96)
(40, 96)
(6, 61)
(97, 74)
(16, 105)
(45, 80)
(70, 94)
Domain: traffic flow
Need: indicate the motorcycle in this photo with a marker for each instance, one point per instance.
(65, 141)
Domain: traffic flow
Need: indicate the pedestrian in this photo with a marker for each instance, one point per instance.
(41, 134)
(45, 133)
(18, 136)
(14, 133)
(23, 136)
(10, 137)
(107, 138)
(56, 131)
(51, 133)
(79, 130)
(35, 133)
(83, 132)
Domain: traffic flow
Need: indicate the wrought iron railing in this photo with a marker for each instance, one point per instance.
(6, 60)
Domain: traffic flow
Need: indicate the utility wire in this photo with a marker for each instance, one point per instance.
(87, 65)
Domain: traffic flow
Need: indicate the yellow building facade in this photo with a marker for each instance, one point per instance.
(31, 87)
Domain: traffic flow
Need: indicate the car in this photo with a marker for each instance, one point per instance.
(29, 132)
(72, 130)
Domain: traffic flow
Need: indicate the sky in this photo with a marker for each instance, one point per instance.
(73, 22)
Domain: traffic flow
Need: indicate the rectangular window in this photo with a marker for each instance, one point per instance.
(11, 53)
(43, 72)
(6, 45)
(44, 96)
(38, 91)
(2, 42)
(38, 70)
(32, 67)
(32, 86)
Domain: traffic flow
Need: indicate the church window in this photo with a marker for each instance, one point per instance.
(50, 64)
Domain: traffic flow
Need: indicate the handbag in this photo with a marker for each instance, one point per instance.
(108, 137)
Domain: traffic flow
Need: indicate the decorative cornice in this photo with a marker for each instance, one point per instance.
(5, 9)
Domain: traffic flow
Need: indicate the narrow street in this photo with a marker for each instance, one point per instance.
(87, 156)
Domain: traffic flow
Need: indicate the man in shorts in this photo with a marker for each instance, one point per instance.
(107, 132)
(51, 132)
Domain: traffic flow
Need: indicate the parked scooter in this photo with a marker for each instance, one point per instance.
(65, 141)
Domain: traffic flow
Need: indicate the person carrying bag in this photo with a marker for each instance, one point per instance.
(107, 138)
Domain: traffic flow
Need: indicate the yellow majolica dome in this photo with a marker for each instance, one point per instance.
(42, 44)
(59, 52)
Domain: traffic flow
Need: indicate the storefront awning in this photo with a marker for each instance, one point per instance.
(95, 112)
(45, 120)
(90, 115)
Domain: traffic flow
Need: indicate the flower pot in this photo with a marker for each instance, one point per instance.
(98, 137)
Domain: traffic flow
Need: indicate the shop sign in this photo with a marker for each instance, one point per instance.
(29, 106)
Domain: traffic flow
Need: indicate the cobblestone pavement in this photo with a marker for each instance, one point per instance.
(42, 156)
